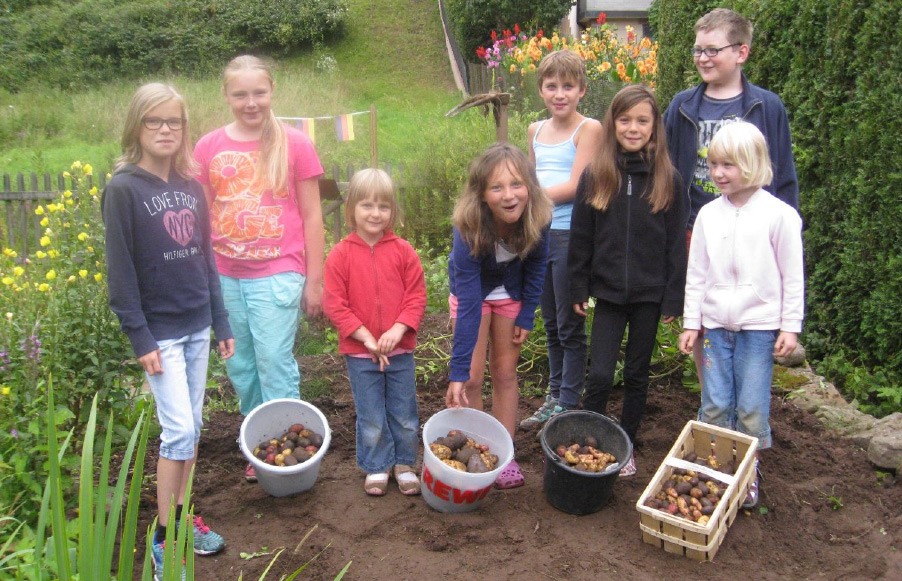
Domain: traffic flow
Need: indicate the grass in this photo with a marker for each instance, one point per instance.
(393, 56)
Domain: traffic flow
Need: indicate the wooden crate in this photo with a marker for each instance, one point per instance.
(685, 537)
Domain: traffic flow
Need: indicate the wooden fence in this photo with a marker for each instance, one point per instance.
(21, 231)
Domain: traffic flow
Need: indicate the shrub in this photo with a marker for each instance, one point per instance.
(67, 45)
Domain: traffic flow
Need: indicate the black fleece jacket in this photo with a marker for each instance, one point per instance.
(626, 254)
(161, 273)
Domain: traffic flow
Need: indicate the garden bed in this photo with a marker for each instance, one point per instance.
(825, 513)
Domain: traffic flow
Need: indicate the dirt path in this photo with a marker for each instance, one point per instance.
(516, 533)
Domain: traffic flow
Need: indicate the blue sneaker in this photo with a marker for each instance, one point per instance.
(156, 550)
(206, 542)
(546, 411)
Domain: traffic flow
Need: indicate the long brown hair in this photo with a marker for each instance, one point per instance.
(473, 218)
(272, 172)
(605, 171)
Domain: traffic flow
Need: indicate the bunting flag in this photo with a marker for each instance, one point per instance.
(344, 127)
(307, 126)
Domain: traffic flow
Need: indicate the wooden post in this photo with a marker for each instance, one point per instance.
(374, 151)
(502, 121)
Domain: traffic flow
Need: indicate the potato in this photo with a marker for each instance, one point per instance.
(703, 520)
(652, 503)
(591, 442)
(491, 460)
(581, 467)
(316, 440)
(706, 502)
(476, 464)
(455, 439)
(455, 464)
(696, 492)
(464, 454)
(708, 510)
(672, 508)
(690, 457)
(302, 455)
(683, 488)
(561, 450)
(296, 428)
(290, 460)
(303, 442)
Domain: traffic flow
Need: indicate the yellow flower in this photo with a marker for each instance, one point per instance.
(93, 190)
(18, 271)
(44, 222)
(88, 169)
(108, 175)
(45, 240)
(4, 390)
(39, 210)
(605, 67)
(51, 274)
(10, 252)
(9, 316)
(83, 273)
(7, 280)
(68, 202)
(53, 253)
(90, 249)
(71, 278)
(40, 253)
(67, 194)
(513, 68)
(67, 174)
(98, 277)
(43, 287)
(83, 236)
(76, 164)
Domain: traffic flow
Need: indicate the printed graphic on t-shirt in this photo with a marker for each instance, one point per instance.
(179, 220)
(250, 229)
(707, 128)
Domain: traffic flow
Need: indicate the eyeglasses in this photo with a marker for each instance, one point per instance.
(711, 52)
(154, 123)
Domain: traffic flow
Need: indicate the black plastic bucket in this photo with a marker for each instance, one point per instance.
(571, 490)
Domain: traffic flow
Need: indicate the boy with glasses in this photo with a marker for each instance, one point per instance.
(723, 40)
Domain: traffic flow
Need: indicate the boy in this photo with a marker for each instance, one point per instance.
(723, 40)
(561, 148)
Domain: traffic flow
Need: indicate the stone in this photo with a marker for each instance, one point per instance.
(885, 448)
(795, 359)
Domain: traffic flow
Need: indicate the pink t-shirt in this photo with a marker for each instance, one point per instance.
(255, 232)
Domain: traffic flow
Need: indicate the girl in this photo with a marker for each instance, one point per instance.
(627, 250)
(261, 181)
(745, 286)
(375, 294)
(496, 271)
(164, 288)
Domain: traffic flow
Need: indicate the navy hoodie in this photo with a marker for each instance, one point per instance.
(161, 273)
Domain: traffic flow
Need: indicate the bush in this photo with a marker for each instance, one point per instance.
(68, 45)
(474, 20)
(836, 65)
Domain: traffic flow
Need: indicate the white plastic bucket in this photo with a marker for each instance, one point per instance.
(271, 420)
(448, 490)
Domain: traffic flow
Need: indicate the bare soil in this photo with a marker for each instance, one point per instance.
(825, 513)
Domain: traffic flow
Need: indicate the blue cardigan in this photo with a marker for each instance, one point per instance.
(761, 108)
(472, 279)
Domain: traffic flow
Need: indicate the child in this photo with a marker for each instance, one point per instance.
(744, 287)
(261, 180)
(164, 288)
(628, 251)
(723, 40)
(560, 148)
(375, 294)
(496, 271)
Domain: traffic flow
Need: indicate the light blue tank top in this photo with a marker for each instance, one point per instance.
(553, 166)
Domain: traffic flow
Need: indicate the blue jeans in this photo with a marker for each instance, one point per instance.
(566, 331)
(264, 314)
(737, 367)
(179, 392)
(387, 418)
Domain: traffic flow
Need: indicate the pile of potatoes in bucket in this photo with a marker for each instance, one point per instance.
(690, 494)
(585, 457)
(295, 446)
(462, 453)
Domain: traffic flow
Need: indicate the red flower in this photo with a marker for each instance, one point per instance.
(540, 33)
(602, 18)
(494, 36)
(630, 37)
(507, 32)
(516, 29)
(480, 52)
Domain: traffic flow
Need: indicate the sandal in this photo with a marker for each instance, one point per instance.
(376, 484)
(407, 480)
(510, 477)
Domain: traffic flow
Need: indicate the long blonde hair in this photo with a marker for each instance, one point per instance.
(146, 98)
(272, 170)
(473, 218)
(605, 171)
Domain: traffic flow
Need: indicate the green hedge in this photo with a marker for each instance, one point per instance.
(69, 44)
(837, 65)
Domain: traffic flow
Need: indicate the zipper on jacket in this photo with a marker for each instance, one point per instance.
(689, 180)
(626, 258)
(378, 296)
(731, 311)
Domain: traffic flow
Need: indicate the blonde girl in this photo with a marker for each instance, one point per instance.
(375, 294)
(164, 288)
(628, 250)
(262, 182)
(496, 271)
(745, 286)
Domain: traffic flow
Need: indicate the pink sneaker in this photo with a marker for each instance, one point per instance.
(249, 473)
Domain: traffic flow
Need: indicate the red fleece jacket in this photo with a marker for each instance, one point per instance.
(375, 288)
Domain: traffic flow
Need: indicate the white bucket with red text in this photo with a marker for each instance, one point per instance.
(449, 490)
